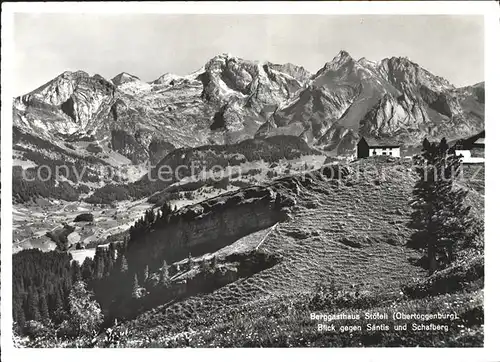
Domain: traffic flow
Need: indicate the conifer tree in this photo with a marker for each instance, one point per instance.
(99, 261)
(87, 269)
(110, 264)
(44, 308)
(33, 305)
(205, 267)
(150, 217)
(19, 317)
(165, 209)
(58, 314)
(146, 273)
(440, 215)
(85, 312)
(166, 212)
(133, 231)
(135, 287)
(123, 264)
(76, 271)
(165, 275)
(58, 302)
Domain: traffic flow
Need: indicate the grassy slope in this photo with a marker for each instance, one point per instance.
(284, 321)
(352, 234)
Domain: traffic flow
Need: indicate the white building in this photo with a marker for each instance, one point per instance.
(471, 149)
(368, 147)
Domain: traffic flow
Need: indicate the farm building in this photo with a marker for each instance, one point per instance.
(368, 147)
(471, 149)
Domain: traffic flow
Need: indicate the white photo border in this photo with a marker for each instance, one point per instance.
(491, 13)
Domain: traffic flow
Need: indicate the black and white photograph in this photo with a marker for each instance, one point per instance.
(247, 180)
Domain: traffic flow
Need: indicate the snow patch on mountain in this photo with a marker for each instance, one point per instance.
(124, 78)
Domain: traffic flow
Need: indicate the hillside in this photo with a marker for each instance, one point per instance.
(333, 240)
(352, 234)
(100, 179)
(193, 168)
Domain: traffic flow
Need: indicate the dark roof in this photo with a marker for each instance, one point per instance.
(474, 138)
(468, 143)
(374, 142)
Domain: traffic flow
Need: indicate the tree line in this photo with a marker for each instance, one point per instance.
(44, 282)
(271, 149)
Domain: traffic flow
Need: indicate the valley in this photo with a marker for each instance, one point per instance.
(32, 221)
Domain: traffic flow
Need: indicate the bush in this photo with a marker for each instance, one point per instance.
(331, 297)
(468, 274)
(93, 148)
(60, 236)
(84, 217)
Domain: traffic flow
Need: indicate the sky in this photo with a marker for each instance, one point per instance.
(149, 45)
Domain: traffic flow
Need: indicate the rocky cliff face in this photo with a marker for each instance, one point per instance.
(224, 102)
(215, 223)
(212, 224)
(67, 104)
(394, 99)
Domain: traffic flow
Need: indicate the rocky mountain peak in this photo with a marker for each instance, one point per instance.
(230, 99)
(367, 63)
(342, 60)
(223, 58)
(404, 74)
(60, 89)
(295, 71)
(74, 74)
(124, 78)
(342, 55)
(166, 78)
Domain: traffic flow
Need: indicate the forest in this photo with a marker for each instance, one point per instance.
(270, 150)
(42, 281)
(24, 190)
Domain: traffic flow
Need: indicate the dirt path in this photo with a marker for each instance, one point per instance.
(265, 236)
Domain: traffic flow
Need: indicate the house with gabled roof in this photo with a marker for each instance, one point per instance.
(369, 147)
(471, 149)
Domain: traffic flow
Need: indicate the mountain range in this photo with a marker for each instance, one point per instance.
(231, 99)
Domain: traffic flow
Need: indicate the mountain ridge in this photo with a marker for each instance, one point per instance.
(231, 99)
